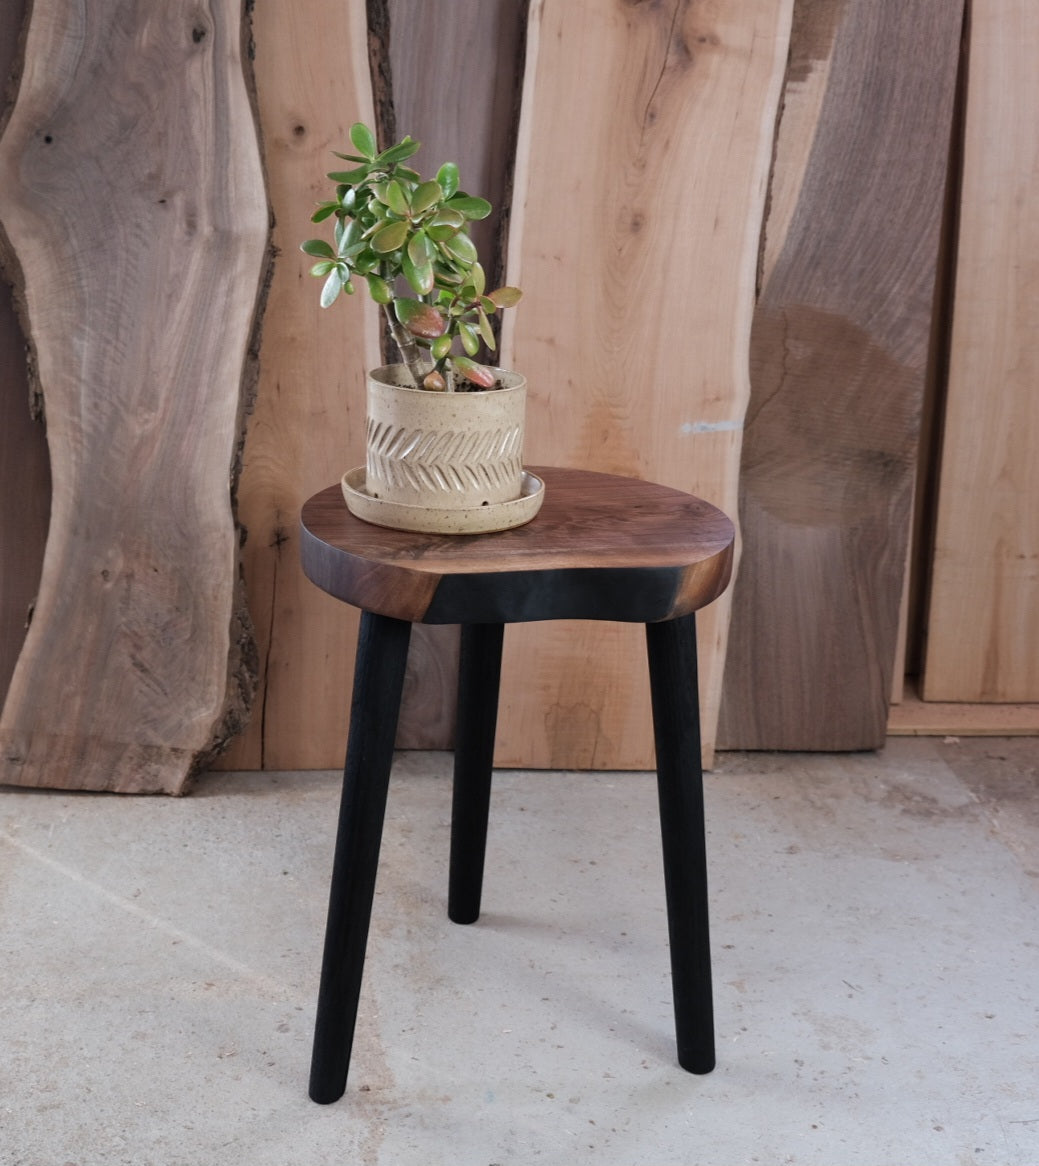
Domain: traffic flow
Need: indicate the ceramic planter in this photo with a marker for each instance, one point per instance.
(449, 462)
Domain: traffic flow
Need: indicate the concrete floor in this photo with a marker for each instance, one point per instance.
(876, 922)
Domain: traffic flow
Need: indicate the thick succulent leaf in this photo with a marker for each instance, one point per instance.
(434, 382)
(319, 248)
(460, 247)
(447, 176)
(366, 261)
(419, 275)
(323, 211)
(441, 347)
(404, 149)
(419, 318)
(506, 297)
(479, 280)
(395, 198)
(332, 287)
(470, 340)
(363, 139)
(379, 289)
(478, 374)
(486, 331)
(471, 207)
(350, 177)
(389, 238)
(322, 268)
(426, 195)
(420, 249)
(349, 157)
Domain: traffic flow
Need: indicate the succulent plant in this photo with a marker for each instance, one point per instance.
(406, 238)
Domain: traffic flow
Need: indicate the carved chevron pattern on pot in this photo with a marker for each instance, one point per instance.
(446, 460)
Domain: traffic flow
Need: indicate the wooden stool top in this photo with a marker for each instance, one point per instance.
(602, 547)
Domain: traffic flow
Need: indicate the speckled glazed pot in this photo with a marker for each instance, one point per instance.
(444, 451)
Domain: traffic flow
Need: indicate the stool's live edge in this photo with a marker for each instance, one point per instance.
(602, 548)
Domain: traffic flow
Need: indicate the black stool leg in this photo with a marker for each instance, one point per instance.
(382, 655)
(676, 722)
(478, 682)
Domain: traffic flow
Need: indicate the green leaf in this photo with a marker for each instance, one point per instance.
(505, 297)
(441, 347)
(470, 340)
(419, 318)
(333, 286)
(403, 149)
(394, 197)
(472, 208)
(318, 248)
(322, 268)
(419, 275)
(350, 177)
(460, 247)
(324, 210)
(486, 331)
(366, 261)
(478, 374)
(348, 157)
(426, 195)
(444, 224)
(363, 140)
(389, 238)
(447, 176)
(379, 289)
(479, 279)
(420, 249)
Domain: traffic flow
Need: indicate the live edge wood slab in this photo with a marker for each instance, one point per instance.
(602, 547)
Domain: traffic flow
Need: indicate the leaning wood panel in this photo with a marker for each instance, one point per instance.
(307, 428)
(634, 235)
(24, 466)
(983, 629)
(838, 354)
(132, 194)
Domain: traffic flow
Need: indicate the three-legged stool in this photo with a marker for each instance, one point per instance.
(602, 548)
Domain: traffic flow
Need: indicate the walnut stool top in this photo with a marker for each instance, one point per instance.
(602, 547)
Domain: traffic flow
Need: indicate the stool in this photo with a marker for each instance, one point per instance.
(602, 548)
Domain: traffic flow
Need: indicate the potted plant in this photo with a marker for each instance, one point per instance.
(444, 440)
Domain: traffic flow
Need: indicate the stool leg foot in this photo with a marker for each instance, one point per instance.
(382, 653)
(478, 682)
(676, 722)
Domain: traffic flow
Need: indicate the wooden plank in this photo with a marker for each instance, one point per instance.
(307, 428)
(838, 355)
(634, 235)
(983, 627)
(137, 214)
(914, 717)
(470, 122)
(24, 464)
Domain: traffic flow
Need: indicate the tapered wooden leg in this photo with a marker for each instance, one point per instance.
(478, 682)
(676, 723)
(382, 654)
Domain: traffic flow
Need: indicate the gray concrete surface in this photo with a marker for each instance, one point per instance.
(876, 921)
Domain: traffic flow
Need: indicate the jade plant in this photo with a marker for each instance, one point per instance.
(406, 237)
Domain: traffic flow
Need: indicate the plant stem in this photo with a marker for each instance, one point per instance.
(409, 350)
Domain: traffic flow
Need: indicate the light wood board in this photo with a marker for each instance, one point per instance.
(307, 427)
(645, 141)
(132, 194)
(838, 357)
(983, 628)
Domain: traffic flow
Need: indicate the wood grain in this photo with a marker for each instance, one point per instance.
(307, 428)
(983, 626)
(24, 464)
(608, 547)
(838, 354)
(132, 194)
(634, 329)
